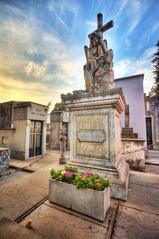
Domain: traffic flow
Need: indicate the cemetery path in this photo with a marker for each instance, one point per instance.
(22, 190)
(138, 218)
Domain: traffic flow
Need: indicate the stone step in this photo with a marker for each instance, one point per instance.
(127, 135)
(152, 161)
(127, 130)
(153, 154)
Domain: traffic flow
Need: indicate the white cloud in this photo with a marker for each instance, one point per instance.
(35, 54)
(62, 9)
(53, 66)
(91, 24)
(38, 71)
(142, 65)
(64, 6)
(120, 9)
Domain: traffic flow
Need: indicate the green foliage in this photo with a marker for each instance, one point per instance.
(59, 106)
(155, 89)
(71, 169)
(81, 180)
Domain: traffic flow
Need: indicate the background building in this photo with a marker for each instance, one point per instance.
(134, 94)
(152, 121)
(58, 119)
(23, 128)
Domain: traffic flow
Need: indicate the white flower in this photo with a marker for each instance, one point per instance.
(63, 172)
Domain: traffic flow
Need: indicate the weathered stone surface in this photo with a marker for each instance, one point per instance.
(133, 152)
(99, 112)
(90, 147)
(97, 136)
(11, 230)
(86, 201)
(106, 98)
(55, 222)
(136, 224)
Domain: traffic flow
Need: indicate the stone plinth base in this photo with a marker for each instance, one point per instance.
(62, 160)
(95, 135)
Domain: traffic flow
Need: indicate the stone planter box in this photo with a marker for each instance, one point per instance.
(86, 201)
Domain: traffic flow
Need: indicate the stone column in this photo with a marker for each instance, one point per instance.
(27, 139)
(44, 138)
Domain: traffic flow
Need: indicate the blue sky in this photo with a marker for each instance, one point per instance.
(41, 44)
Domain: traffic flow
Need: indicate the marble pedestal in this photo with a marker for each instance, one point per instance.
(95, 136)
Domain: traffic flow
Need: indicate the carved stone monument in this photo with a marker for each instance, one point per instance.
(98, 70)
(95, 132)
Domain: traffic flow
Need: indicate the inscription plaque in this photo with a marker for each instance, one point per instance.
(65, 117)
(97, 136)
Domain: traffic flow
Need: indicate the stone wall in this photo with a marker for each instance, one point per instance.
(56, 123)
(5, 115)
(15, 139)
(134, 153)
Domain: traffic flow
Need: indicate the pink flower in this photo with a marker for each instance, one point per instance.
(90, 173)
(67, 173)
(74, 173)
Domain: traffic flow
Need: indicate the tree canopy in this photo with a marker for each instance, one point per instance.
(155, 89)
(59, 106)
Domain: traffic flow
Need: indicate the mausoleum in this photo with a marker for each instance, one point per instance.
(23, 128)
(152, 121)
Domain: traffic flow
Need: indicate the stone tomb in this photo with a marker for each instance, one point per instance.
(94, 129)
(95, 135)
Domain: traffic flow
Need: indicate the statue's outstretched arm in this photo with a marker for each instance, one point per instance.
(86, 52)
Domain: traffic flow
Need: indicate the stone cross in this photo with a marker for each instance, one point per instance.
(100, 27)
(127, 116)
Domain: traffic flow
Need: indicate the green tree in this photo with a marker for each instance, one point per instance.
(59, 106)
(155, 89)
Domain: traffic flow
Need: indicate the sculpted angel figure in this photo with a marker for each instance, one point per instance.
(98, 70)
